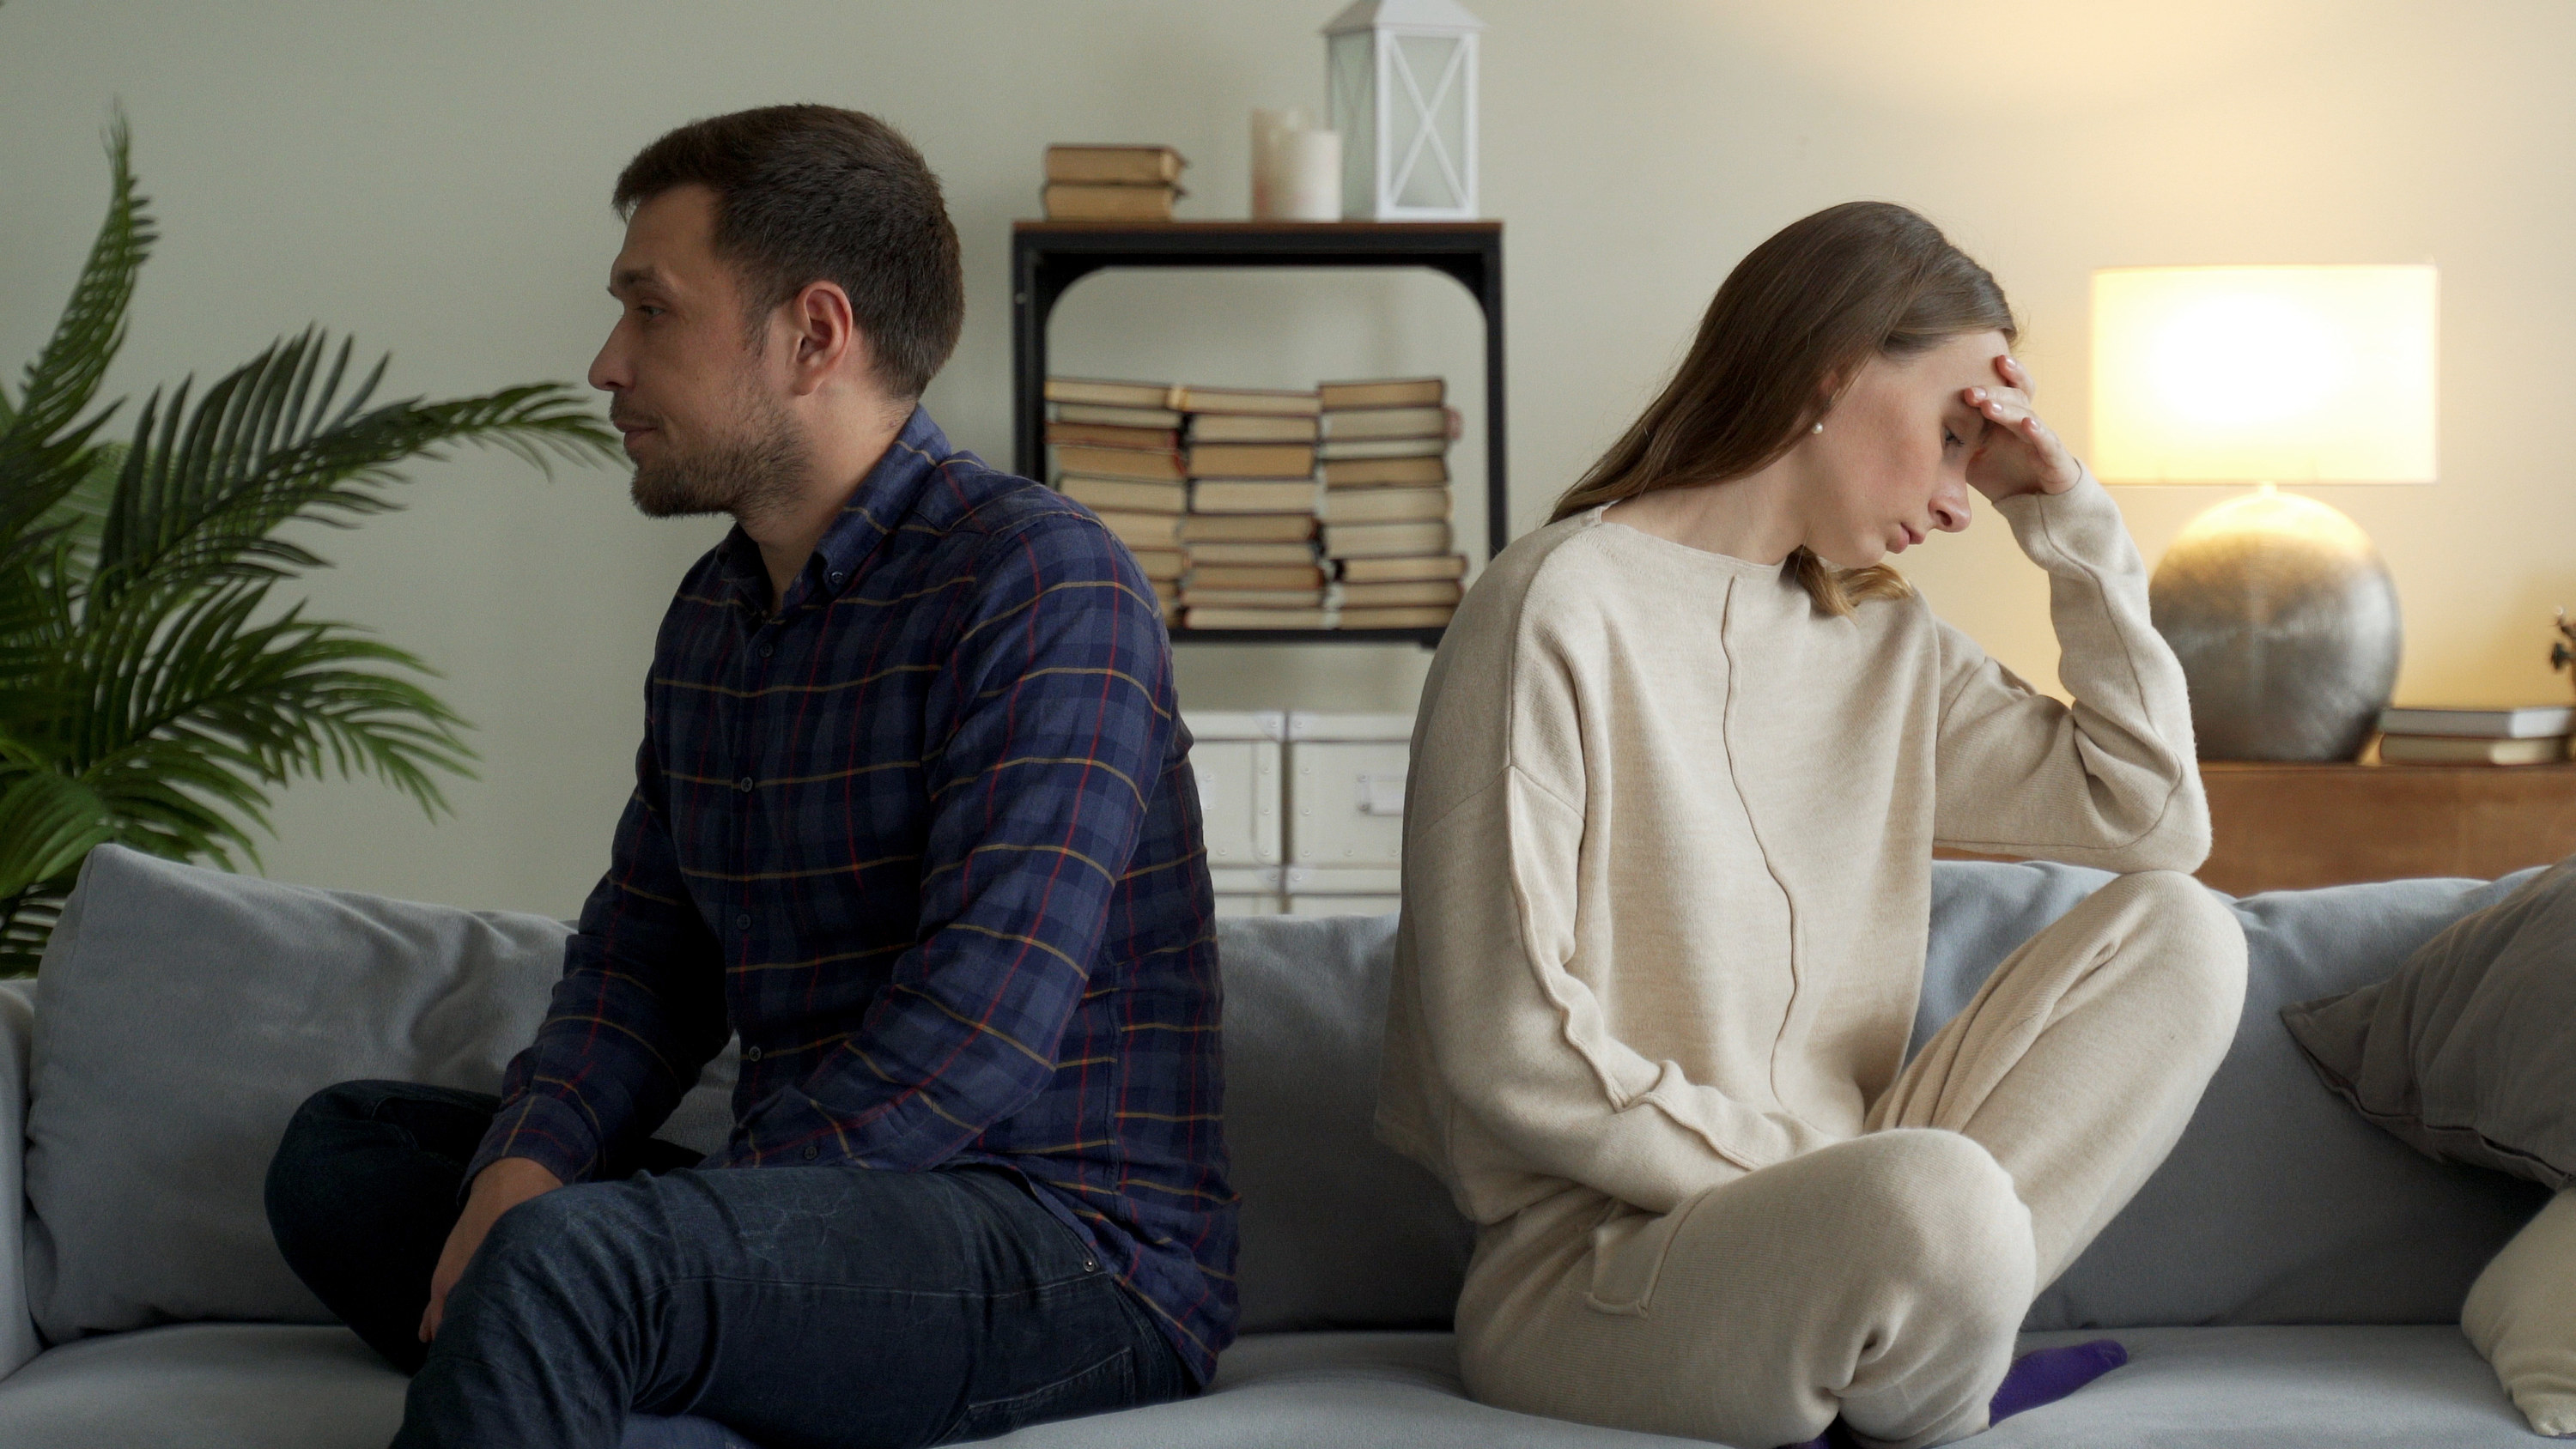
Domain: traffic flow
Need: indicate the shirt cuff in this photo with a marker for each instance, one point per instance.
(546, 1131)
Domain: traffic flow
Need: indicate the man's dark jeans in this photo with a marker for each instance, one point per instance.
(797, 1305)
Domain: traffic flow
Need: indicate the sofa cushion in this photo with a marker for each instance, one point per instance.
(257, 1386)
(2468, 1052)
(1337, 1230)
(2279, 1205)
(182, 1015)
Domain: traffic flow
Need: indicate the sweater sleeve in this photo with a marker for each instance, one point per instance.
(2110, 781)
(1502, 1008)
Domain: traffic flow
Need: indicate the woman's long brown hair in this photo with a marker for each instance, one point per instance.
(1798, 317)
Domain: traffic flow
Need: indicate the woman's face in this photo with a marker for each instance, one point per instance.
(1892, 460)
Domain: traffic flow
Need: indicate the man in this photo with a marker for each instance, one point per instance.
(912, 817)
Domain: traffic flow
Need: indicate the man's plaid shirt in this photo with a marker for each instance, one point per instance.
(926, 837)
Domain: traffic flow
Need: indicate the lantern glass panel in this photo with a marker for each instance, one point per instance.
(1351, 101)
(1428, 112)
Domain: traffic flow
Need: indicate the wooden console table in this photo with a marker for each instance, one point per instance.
(2289, 827)
(2286, 827)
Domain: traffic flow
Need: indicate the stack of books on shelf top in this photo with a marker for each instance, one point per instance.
(1384, 446)
(1112, 183)
(2532, 735)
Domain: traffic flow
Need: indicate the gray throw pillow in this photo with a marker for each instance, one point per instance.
(182, 1015)
(2468, 1053)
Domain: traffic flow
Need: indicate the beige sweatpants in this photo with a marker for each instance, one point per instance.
(1882, 1278)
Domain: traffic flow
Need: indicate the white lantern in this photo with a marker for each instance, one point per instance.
(1400, 83)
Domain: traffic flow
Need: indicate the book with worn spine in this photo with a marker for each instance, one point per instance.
(1386, 472)
(1385, 505)
(2470, 750)
(1256, 576)
(1162, 465)
(1403, 568)
(1109, 392)
(1128, 495)
(2521, 722)
(1250, 428)
(1110, 165)
(1252, 460)
(1076, 202)
(1384, 392)
(1253, 495)
(1113, 435)
(1421, 592)
(1384, 540)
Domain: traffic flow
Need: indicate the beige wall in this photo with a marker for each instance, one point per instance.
(433, 178)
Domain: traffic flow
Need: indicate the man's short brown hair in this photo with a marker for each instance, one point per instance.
(818, 194)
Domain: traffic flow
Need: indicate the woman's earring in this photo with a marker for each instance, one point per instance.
(1818, 428)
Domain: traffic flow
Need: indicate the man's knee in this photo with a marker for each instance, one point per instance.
(304, 1192)
(584, 1241)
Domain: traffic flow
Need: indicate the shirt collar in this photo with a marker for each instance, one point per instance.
(874, 509)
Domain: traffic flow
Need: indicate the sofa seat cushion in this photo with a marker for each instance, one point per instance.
(205, 1386)
(272, 1386)
(2406, 1386)
(2415, 1386)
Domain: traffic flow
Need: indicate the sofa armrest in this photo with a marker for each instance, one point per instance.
(18, 1342)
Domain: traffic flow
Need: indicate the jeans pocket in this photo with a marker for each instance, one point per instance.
(1108, 1384)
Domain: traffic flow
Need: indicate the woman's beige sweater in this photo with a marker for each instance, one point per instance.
(1667, 864)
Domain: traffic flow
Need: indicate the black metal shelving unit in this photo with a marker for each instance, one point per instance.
(1047, 257)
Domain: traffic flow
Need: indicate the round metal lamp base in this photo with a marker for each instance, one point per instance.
(2286, 622)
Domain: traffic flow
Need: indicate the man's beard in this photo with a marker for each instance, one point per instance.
(745, 474)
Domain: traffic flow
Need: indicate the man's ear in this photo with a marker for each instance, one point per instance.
(826, 338)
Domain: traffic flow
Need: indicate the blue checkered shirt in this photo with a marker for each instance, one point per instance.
(924, 836)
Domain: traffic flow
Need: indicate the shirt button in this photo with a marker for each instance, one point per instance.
(742, 922)
(751, 1054)
(743, 784)
(767, 649)
(810, 1152)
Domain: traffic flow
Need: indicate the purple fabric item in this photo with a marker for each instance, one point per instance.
(2050, 1374)
(2042, 1376)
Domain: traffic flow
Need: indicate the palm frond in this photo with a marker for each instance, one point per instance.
(198, 703)
(47, 823)
(26, 923)
(42, 443)
(275, 440)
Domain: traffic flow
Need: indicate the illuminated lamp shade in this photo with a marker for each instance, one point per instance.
(2284, 616)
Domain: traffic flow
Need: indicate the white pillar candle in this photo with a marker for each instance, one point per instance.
(1267, 126)
(1307, 182)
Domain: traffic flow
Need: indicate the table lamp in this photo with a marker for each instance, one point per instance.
(2283, 614)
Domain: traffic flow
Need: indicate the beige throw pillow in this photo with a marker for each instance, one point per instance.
(2522, 1316)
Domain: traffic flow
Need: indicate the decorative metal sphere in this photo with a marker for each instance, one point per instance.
(2286, 622)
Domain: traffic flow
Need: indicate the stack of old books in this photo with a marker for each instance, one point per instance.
(1112, 183)
(2530, 735)
(1118, 453)
(1249, 532)
(1385, 454)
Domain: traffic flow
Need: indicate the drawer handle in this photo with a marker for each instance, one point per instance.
(1381, 794)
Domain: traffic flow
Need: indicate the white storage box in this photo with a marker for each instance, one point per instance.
(1346, 790)
(1236, 759)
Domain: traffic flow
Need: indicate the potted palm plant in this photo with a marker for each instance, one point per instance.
(152, 691)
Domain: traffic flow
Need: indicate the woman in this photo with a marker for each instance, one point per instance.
(1679, 770)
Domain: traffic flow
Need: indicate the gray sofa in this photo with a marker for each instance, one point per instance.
(2291, 1277)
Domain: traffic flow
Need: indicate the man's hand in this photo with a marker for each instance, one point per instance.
(498, 1188)
(2020, 454)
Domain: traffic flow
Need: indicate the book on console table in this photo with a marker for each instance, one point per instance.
(2521, 722)
(2471, 750)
